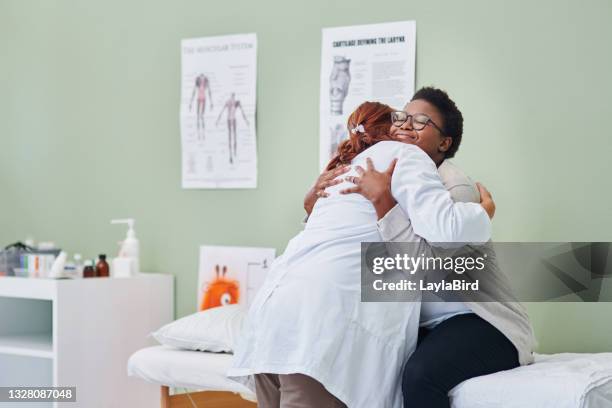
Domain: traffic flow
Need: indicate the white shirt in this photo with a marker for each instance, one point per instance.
(462, 189)
(308, 318)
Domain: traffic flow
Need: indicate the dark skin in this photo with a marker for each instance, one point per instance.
(327, 179)
(375, 185)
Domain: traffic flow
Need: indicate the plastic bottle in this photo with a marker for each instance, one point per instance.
(102, 270)
(130, 249)
(57, 269)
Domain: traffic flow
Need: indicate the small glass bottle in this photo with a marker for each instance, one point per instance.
(102, 269)
(88, 270)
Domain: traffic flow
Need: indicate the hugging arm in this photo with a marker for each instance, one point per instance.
(327, 179)
(394, 224)
(417, 186)
(418, 189)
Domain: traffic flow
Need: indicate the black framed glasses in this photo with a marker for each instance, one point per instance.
(418, 121)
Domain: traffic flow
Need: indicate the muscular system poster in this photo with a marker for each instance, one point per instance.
(217, 112)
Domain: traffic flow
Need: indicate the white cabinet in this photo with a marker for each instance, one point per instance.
(81, 333)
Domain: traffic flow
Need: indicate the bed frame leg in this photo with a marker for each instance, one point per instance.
(165, 397)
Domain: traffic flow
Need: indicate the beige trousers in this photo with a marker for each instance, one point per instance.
(293, 391)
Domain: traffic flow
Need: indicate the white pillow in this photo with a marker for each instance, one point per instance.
(215, 330)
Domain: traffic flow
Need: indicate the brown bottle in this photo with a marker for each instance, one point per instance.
(102, 270)
(88, 271)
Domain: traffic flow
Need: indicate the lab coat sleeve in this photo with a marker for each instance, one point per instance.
(395, 226)
(417, 188)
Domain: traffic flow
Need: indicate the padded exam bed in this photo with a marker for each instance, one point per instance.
(553, 381)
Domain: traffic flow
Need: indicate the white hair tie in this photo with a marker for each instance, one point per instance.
(358, 129)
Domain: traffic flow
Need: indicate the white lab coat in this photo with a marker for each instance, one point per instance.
(307, 318)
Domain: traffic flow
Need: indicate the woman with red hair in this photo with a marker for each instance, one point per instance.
(308, 339)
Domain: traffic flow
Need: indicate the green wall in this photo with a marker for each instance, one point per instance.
(89, 131)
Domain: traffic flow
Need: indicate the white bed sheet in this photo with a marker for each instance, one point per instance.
(553, 381)
(193, 370)
(566, 380)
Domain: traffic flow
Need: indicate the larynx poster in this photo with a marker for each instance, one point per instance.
(373, 62)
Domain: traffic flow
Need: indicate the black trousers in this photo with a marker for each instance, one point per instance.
(459, 348)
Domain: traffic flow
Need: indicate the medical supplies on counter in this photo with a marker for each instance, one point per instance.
(45, 260)
(26, 260)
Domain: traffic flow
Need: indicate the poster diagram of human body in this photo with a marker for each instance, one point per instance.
(217, 113)
(362, 63)
(231, 275)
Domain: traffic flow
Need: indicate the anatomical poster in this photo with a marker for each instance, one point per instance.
(373, 62)
(217, 112)
(231, 275)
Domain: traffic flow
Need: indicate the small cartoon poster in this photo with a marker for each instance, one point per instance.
(231, 275)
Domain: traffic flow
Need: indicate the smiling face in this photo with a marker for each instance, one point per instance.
(429, 139)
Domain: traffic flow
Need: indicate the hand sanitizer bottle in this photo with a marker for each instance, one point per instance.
(127, 262)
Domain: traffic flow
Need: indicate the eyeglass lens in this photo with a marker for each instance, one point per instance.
(417, 122)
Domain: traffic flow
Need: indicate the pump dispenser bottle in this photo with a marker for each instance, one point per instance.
(127, 262)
